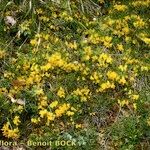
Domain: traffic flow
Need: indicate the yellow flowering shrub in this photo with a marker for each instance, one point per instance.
(75, 70)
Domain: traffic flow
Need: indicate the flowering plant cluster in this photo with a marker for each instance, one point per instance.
(75, 70)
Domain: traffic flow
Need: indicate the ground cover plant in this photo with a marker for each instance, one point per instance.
(77, 71)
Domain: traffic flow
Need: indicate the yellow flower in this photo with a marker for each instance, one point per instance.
(125, 30)
(112, 75)
(120, 7)
(33, 42)
(105, 58)
(34, 120)
(77, 92)
(71, 45)
(43, 113)
(123, 102)
(59, 112)
(61, 92)
(105, 86)
(46, 36)
(16, 120)
(146, 40)
(10, 133)
(96, 77)
(39, 11)
(5, 128)
(83, 93)
(13, 133)
(140, 3)
(42, 103)
(39, 91)
(78, 126)
(88, 53)
(135, 97)
(83, 98)
(62, 109)
(107, 41)
(120, 47)
(123, 68)
(132, 79)
(144, 68)
(50, 116)
(122, 81)
(54, 60)
(73, 109)
(70, 113)
(54, 104)
(139, 24)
